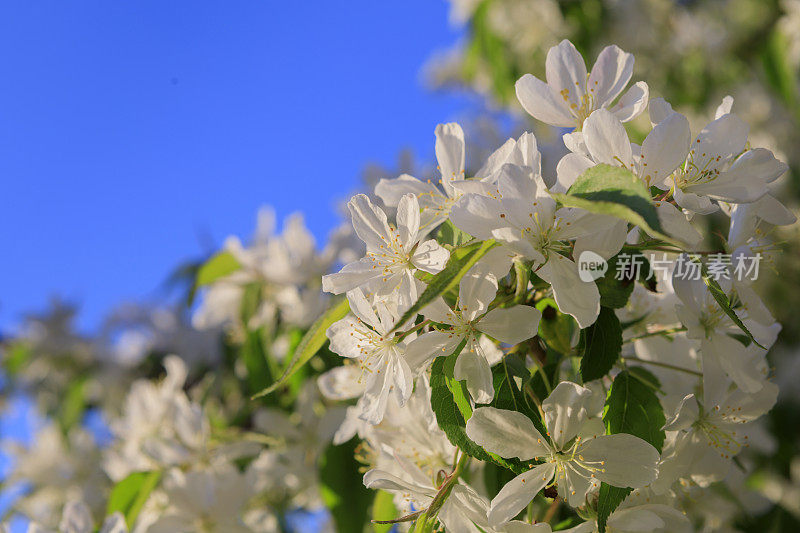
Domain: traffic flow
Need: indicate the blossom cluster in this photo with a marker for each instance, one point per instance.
(695, 347)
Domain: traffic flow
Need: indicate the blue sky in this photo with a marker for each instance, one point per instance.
(134, 135)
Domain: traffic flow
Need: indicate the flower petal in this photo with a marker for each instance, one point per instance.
(542, 102)
(450, 153)
(369, 222)
(676, 224)
(506, 433)
(565, 411)
(659, 109)
(632, 103)
(573, 295)
(606, 139)
(477, 215)
(341, 383)
(626, 461)
(475, 292)
(665, 149)
(511, 325)
(473, 368)
(566, 72)
(610, 74)
(430, 256)
(408, 220)
(391, 190)
(351, 276)
(518, 492)
(428, 346)
(569, 168)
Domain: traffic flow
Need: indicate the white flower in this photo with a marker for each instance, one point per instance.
(393, 254)
(412, 432)
(720, 167)
(751, 225)
(434, 201)
(468, 319)
(364, 336)
(647, 518)
(714, 430)
(204, 500)
(573, 455)
(604, 140)
(707, 322)
(570, 94)
(415, 490)
(76, 518)
(523, 217)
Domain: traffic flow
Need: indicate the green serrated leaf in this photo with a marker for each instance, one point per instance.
(725, 304)
(618, 192)
(645, 376)
(461, 260)
(313, 340)
(508, 394)
(633, 407)
(602, 345)
(451, 405)
(609, 499)
(129, 495)
(219, 266)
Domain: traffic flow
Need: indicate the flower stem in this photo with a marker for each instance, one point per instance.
(663, 365)
(668, 331)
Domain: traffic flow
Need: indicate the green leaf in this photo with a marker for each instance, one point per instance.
(631, 407)
(495, 478)
(313, 340)
(507, 392)
(129, 495)
(778, 68)
(556, 328)
(383, 509)
(645, 376)
(254, 355)
(723, 301)
(545, 377)
(451, 405)
(609, 499)
(251, 301)
(219, 266)
(602, 345)
(342, 489)
(615, 292)
(16, 357)
(72, 407)
(461, 260)
(450, 235)
(618, 192)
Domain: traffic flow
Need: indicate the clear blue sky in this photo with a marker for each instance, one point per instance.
(129, 128)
